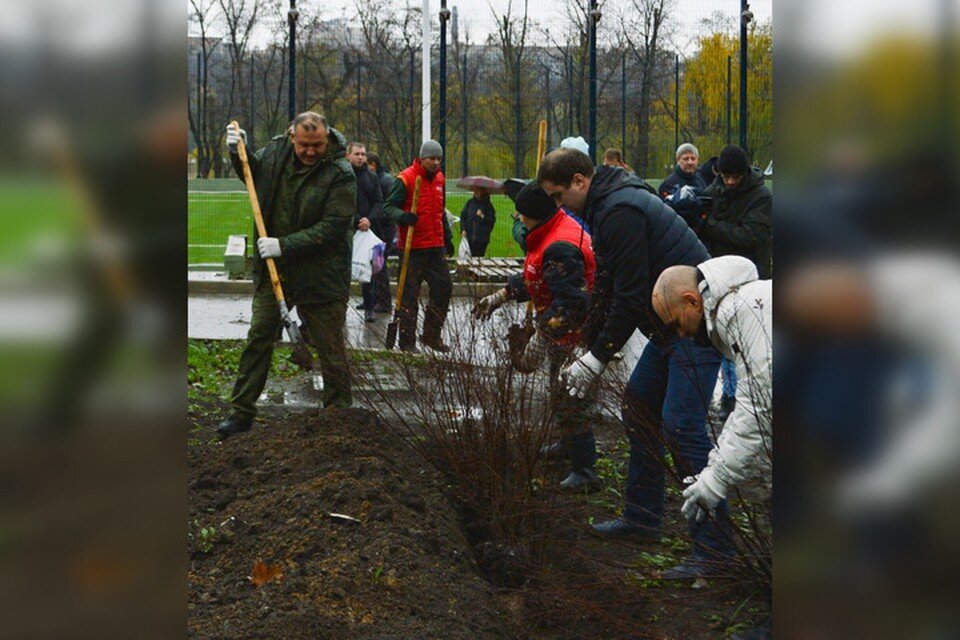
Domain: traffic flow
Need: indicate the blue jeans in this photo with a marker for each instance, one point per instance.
(728, 370)
(666, 402)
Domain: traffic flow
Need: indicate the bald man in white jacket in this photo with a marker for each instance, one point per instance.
(724, 298)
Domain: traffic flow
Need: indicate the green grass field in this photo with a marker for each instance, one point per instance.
(218, 208)
(212, 216)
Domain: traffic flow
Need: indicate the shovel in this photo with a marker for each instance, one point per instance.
(301, 354)
(392, 327)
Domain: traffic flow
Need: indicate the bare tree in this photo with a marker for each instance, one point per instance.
(240, 19)
(390, 40)
(643, 27)
(511, 38)
(271, 75)
(201, 122)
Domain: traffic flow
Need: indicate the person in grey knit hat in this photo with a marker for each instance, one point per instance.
(430, 232)
(431, 149)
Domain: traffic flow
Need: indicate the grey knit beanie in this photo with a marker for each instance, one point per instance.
(431, 149)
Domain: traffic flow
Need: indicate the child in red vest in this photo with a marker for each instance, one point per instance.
(557, 276)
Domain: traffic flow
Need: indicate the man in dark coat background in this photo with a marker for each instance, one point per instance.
(369, 217)
(381, 279)
(740, 220)
(686, 202)
(476, 221)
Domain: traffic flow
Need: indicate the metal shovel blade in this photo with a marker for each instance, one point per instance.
(301, 356)
(391, 334)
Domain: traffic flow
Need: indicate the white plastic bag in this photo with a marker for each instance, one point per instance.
(363, 245)
(463, 253)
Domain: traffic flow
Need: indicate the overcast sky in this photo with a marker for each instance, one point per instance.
(477, 16)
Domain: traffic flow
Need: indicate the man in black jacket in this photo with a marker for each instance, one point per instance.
(635, 237)
(740, 221)
(369, 217)
(685, 201)
(381, 279)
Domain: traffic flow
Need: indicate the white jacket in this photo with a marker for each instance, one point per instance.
(738, 309)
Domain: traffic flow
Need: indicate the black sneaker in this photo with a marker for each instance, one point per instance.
(554, 450)
(361, 307)
(581, 482)
(233, 425)
(620, 529)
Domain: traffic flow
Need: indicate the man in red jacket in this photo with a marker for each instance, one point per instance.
(427, 252)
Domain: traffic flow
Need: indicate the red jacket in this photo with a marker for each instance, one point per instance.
(559, 228)
(428, 232)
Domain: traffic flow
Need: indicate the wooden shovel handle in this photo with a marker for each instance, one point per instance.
(257, 214)
(541, 145)
(408, 244)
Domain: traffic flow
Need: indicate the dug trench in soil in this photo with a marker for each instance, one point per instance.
(419, 564)
(403, 571)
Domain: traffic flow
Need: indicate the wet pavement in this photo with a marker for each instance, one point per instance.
(227, 317)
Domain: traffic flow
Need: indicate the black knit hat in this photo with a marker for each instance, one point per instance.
(534, 203)
(733, 161)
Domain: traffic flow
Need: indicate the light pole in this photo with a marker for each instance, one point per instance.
(745, 17)
(292, 16)
(444, 17)
(594, 18)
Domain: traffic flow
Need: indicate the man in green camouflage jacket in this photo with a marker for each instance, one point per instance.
(307, 193)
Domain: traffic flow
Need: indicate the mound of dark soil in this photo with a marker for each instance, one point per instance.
(403, 571)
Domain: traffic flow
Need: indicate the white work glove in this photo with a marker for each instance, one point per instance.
(581, 374)
(702, 497)
(268, 247)
(233, 137)
(488, 304)
(687, 193)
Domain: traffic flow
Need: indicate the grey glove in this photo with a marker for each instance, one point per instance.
(488, 304)
(233, 137)
(534, 353)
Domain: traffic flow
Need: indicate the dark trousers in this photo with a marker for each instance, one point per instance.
(665, 403)
(326, 322)
(571, 415)
(430, 266)
(478, 246)
(381, 288)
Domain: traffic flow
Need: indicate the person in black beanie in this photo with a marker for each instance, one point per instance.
(558, 276)
(740, 220)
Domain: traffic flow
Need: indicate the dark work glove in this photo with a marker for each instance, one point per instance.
(517, 338)
(409, 219)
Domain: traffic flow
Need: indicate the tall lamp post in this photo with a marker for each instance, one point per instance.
(594, 18)
(292, 16)
(746, 16)
(444, 17)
